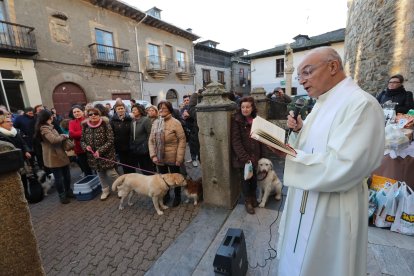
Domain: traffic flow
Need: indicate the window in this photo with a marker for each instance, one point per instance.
(280, 67)
(154, 56)
(220, 77)
(242, 80)
(106, 49)
(206, 77)
(180, 60)
(11, 87)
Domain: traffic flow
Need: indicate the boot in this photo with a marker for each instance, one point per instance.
(249, 206)
(105, 193)
(177, 197)
(70, 194)
(166, 198)
(254, 201)
(63, 198)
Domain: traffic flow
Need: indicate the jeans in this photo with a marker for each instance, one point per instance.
(248, 186)
(62, 180)
(83, 164)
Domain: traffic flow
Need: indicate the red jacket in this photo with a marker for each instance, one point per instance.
(75, 132)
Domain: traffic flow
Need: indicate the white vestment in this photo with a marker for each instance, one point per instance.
(334, 241)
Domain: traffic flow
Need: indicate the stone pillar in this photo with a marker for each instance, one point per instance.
(221, 183)
(289, 69)
(19, 254)
(262, 102)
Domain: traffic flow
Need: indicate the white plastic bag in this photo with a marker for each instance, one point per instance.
(387, 206)
(248, 170)
(404, 217)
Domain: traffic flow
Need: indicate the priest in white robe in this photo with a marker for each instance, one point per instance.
(339, 144)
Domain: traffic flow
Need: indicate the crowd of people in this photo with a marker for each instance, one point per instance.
(151, 139)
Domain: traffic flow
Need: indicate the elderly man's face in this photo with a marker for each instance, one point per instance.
(314, 74)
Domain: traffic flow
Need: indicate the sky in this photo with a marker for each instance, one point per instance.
(255, 25)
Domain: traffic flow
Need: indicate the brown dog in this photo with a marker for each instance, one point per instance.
(194, 190)
(154, 186)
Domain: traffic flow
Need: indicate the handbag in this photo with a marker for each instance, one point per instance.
(140, 148)
(68, 144)
(248, 170)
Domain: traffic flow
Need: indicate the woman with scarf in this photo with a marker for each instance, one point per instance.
(246, 149)
(167, 145)
(396, 93)
(9, 134)
(98, 141)
(140, 132)
(75, 132)
(54, 156)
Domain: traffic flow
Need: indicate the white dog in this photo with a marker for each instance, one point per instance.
(154, 186)
(46, 180)
(267, 181)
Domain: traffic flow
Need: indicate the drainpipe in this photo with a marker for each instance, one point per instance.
(139, 60)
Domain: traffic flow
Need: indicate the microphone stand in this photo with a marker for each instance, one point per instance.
(302, 211)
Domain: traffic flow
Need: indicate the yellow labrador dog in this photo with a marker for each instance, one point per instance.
(267, 181)
(154, 186)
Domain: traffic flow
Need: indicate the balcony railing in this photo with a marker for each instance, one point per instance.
(158, 67)
(184, 70)
(104, 55)
(17, 39)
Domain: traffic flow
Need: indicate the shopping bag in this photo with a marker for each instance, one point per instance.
(387, 206)
(404, 217)
(248, 170)
(372, 203)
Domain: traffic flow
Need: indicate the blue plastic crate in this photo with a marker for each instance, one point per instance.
(87, 188)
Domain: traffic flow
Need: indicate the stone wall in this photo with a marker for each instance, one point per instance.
(379, 42)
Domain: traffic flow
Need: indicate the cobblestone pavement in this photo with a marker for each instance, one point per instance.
(95, 238)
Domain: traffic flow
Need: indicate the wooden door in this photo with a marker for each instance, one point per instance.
(65, 95)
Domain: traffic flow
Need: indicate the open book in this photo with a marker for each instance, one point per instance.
(271, 135)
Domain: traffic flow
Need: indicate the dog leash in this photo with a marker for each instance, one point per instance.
(122, 164)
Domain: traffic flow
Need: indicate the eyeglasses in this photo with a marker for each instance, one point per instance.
(93, 114)
(309, 70)
(394, 82)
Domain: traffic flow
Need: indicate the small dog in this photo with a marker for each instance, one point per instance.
(46, 180)
(194, 190)
(267, 181)
(154, 186)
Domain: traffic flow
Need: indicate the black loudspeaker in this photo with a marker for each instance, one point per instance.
(231, 256)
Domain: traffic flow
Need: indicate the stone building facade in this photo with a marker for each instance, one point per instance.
(379, 42)
(90, 50)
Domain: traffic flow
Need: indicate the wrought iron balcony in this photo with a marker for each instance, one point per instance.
(184, 70)
(158, 67)
(17, 39)
(104, 55)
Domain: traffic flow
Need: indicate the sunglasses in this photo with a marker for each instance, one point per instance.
(93, 114)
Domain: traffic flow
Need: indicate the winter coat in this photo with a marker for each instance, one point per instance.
(101, 139)
(401, 96)
(26, 125)
(54, 155)
(142, 129)
(122, 131)
(16, 140)
(244, 148)
(75, 132)
(174, 140)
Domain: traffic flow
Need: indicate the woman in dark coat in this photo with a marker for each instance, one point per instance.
(98, 141)
(245, 149)
(396, 93)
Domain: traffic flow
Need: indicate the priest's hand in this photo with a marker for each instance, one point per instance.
(297, 124)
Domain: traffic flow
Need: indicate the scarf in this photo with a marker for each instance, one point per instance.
(160, 138)
(394, 92)
(94, 126)
(9, 133)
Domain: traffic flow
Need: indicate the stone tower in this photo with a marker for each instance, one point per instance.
(379, 42)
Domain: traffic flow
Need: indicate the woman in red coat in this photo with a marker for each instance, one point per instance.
(245, 149)
(75, 132)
